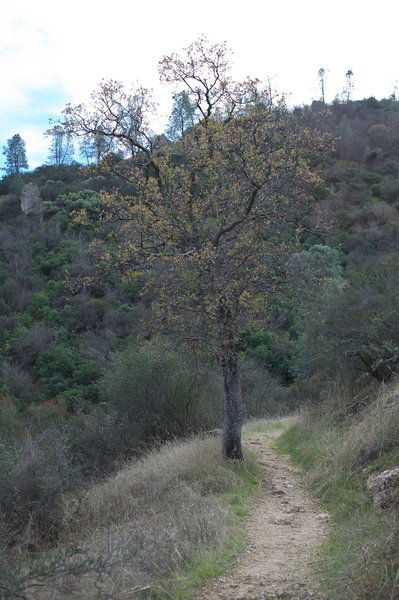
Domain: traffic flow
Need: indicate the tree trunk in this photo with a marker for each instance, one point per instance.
(232, 419)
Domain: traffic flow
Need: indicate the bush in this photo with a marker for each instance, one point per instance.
(156, 392)
(98, 445)
(33, 474)
(64, 372)
(33, 341)
(19, 381)
(10, 207)
(263, 395)
(354, 326)
(10, 426)
(66, 204)
(271, 351)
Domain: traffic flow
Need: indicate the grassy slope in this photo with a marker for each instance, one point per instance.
(361, 558)
(156, 529)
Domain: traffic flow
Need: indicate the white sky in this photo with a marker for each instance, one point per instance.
(52, 53)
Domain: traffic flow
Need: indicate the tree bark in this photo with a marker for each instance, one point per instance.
(232, 419)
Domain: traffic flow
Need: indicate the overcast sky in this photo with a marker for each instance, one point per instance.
(54, 53)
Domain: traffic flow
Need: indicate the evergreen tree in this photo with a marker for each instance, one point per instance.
(94, 148)
(348, 90)
(182, 116)
(322, 81)
(15, 153)
(61, 149)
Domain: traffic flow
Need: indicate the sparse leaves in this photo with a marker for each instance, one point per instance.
(212, 214)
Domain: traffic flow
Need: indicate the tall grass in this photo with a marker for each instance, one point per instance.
(361, 559)
(153, 530)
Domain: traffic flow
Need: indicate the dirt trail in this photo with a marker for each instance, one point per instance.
(284, 531)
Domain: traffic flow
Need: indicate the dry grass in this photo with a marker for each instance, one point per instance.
(377, 432)
(270, 424)
(118, 499)
(148, 522)
(361, 560)
(372, 433)
(368, 567)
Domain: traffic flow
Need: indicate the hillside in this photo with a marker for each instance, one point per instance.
(99, 363)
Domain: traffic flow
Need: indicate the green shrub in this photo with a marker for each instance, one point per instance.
(40, 305)
(59, 361)
(69, 202)
(51, 261)
(64, 372)
(370, 178)
(10, 207)
(354, 326)
(263, 395)
(156, 391)
(273, 352)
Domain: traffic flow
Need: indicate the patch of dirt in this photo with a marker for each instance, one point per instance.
(284, 532)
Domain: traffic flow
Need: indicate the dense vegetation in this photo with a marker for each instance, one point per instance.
(88, 381)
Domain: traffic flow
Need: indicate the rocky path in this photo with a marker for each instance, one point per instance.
(284, 531)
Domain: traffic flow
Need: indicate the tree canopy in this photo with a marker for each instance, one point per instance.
(216, 214)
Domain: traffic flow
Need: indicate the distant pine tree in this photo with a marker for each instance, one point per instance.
(182, 116)
(61, 149)
(15, 153)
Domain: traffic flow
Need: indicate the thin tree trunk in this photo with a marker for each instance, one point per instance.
(232, 419)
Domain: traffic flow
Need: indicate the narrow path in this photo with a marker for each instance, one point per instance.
(284, 531)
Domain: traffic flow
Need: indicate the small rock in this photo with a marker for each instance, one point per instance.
(268, 486)
(323, 517)
(284, 520)
(295, 509)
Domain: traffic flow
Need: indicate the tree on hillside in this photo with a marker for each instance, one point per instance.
(348, 90)
(95, 147)
(182, 116)
(215, 215)
(61, 149)
(15, 153)
(322, 81)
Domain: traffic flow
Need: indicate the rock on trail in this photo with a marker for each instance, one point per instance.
(284, 532)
